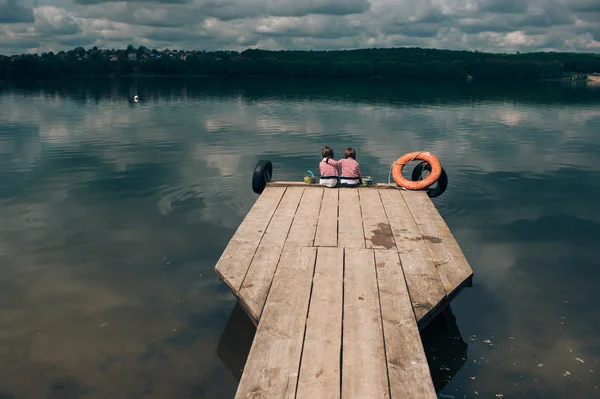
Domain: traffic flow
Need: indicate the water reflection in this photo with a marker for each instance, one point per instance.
(236, 341)
(115, 212)
(445, 348)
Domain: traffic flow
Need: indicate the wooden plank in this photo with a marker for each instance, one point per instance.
(273, 363)
(235, 260)
(316, 185)
(364, 371)
(350, 227)
(452, 266)
(378, 233)
(407, 366)
(320, 368)
(327, 226)
(254, 289)
(424, 284)
(302, 232)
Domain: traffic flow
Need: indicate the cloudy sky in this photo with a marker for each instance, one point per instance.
(489, 25)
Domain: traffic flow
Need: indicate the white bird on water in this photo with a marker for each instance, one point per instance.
(135, 98)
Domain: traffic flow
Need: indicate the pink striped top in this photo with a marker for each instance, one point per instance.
(350, 168)
(329, 168)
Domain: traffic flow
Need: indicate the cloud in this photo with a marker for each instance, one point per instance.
(233, 9)
(88, 2)
(492, 25)
(584, 5)
(554, 14)
(11, 12)
(504, 6)
(53, 20)
(414, 29)
(476, 25)
(310, 26)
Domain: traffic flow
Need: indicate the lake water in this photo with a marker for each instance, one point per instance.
(113, 214)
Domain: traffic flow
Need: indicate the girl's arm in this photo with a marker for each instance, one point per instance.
(333, 162)
(358, 170)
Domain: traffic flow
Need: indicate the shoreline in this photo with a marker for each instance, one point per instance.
(260, 77)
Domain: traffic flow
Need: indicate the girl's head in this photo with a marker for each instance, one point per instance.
(350, 153)
(327, 152)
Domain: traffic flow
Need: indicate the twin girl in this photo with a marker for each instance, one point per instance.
(329, 168)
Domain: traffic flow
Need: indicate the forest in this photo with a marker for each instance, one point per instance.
(410, 63)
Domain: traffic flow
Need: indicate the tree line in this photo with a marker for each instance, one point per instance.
(413, 63)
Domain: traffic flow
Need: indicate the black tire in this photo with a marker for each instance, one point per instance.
(262, 175)
(442, 181)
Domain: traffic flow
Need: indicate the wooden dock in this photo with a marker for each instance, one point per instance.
(339, 282)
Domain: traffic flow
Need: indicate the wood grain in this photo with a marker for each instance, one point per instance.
(327, 226)
(424, 284)
(235, 260)
(406, 362)
(364, 370)
(273, 362)
(452, 266)
(378, 233)
(254, 289)
(320, 368)
(350, 227)
(302, 232)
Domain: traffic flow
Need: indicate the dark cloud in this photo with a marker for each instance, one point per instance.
(592, 17)
(493, 25)
(415, 29)
(12, 13)
(76, 41)
(585, 5)
(433, 16)
(234, 9)
(144, 15)
(554, 14)
(338, 7)
(21, 43)
(486, 26)
(173, 35)
(504, 6)
(88, 2)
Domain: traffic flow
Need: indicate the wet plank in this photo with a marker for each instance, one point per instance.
(327, 226)
(235, 260)
(320, 368)
(406, 362)
(254, 289)
(273, 363)
(364, 370)
(424, 284)
(378, 233)
(452, 266)
(350, 227)
(302, 232)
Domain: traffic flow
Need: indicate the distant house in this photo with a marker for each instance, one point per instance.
(132, 57)
(114, 57)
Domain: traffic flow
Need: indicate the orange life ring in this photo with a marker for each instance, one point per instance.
(436, 170)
